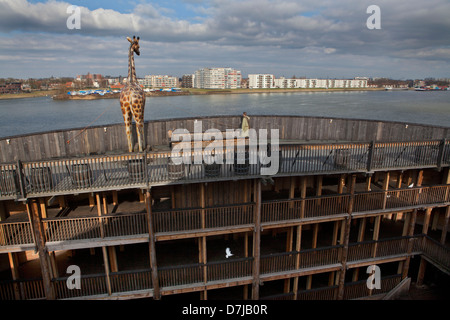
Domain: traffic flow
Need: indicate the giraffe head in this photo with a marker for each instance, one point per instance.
(134, 44)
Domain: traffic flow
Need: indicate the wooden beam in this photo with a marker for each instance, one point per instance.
(152, 248)
(412, 222)
(42, 251)
(113, 259)
(445, 227)
(14, 265)
(347, 224)
(257, 240)
(106, 265)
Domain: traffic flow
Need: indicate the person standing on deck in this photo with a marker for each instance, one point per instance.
(245, 125)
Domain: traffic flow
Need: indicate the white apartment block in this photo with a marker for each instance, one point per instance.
(261, 81)
(217, 78)
(160, 81)
(320, 83)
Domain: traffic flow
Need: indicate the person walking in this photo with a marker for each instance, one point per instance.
(245, 125)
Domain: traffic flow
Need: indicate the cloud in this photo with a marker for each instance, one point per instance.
(252, 33)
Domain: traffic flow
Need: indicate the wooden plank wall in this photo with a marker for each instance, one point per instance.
(98, 140)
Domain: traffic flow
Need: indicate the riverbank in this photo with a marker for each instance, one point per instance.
(33, 94)
(188, 91)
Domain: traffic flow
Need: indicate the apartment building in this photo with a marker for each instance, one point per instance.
(217, 78)
(160, 81)
(320, 83)
(261, 81)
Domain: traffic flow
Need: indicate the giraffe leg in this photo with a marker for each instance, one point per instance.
(126, 112)
(138, 114)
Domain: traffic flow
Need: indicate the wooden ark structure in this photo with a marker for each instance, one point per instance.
(348, 194)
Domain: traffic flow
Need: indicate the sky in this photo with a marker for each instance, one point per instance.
(317, 39)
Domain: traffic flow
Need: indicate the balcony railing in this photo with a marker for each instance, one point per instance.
(223, 217)
(237, 269)
(109, 172)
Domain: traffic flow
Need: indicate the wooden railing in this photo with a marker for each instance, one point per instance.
(295, 209)
(295, 260)
(377, 249)
(436, 252)
(90, 285)
(203, 218)
(359, 289)
(195, 219)
(352, 290)
(107, 172)
(201, 274)
(15, 233)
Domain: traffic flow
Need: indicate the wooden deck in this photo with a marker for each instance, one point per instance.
(24, 180)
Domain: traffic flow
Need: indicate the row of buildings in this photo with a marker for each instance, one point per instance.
(229, 78)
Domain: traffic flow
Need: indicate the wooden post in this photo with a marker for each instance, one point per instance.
(256, 240)
(42, 250)
(14, 265)
(348, 220)
(113, 259)
(421, 273)
(106, 264)
(361, 232)
(302, 196)
(202, 243)
(289, 244)
(313, 246)
(445, 227)
(412, 223)
(331, 279)
(376, 233)
(385, 189)
(298, 240)
(152, 248)
(245, 255)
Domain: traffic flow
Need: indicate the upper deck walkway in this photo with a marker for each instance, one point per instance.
(86, 174)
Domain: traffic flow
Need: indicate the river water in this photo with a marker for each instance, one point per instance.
(31, 115)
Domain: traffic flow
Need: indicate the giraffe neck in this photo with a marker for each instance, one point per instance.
(131, 68)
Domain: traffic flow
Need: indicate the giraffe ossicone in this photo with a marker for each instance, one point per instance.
(132, 99)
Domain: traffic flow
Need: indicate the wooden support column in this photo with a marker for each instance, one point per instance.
(202, 242)
(445, 227)
(91, 200)
(106, 264)
(302, 196)
(256, 240)
(313, 246)
(369, 183)
(14, 265)
(361, 232)
(423, 262)
(332, 277)
(347, 224)
(421, 273)
(411, 226)
(245, 297)
(39, 236)
(298, 240)
(399, 215)
(113, 259)
(152, 248)
(376, 233)
(289, 245)
(386, 188)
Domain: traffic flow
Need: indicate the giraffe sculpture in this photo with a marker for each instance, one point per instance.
(132, 99)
